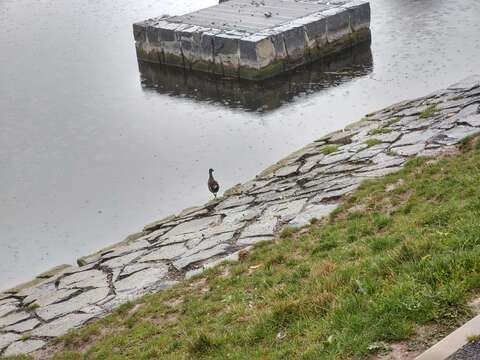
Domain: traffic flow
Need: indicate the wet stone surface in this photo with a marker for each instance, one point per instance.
(306, 185)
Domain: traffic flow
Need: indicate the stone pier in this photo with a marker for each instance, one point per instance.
(253, 39)
(308, 184)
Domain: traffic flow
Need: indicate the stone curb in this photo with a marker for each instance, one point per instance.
(453, 342)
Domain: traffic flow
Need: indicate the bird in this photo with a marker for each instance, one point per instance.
(212, 184)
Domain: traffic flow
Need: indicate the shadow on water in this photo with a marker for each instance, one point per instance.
(259, 96)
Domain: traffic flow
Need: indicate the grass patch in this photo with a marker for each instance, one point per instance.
(32, 307)
(25, 337)
(380, 131)
(385, 264)
(430, 111)
(372, 142)
(288, 231)
(473, 338)
(392, 121)
(329, 149)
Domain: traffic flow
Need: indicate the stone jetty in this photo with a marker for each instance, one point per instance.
(308, 184)
(253, 39)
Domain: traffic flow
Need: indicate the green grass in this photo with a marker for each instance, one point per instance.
(393, 120)
(32, 307)
(430, 111)
(384, 264)
(473, 338)
(288, 231)
(329, 149)
(373, 142)
(380, 131)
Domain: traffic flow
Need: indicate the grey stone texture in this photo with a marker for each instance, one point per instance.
(7, 338)
(304, 186)
(236, 38)
(24, 347)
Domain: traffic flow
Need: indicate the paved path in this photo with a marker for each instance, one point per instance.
(308, 184)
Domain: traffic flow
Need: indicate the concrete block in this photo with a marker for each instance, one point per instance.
(338, 24)
(359, 13)
(238, 39)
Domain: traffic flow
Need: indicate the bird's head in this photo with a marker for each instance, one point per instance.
(210, 171)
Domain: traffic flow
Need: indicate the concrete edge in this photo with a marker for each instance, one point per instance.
(453, 342)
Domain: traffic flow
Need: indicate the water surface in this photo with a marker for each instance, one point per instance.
(91, 149)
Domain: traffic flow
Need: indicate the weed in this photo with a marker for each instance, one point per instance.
(372, 142)
(380, 131)
(329, 149)
(430, 111)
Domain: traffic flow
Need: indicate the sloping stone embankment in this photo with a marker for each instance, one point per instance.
(308, 184)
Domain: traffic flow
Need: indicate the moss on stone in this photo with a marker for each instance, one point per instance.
(32, 307)
(54, 271)
(372, 142)
(357, 124)
(392, 121)
(430, 111)
(156, 224)
(343, 43)
(329, 149)
(272, 69)
(246, 72)
(234, 190)
(380, 131)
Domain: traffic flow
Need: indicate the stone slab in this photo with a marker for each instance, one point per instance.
(139, 282)
(200, 256)
(7, 338)
(22, 347)
(168, 252)
(76, 303)
(13, 318)
(62, 325)
(23, 326)
(8, 307)
(85, 279)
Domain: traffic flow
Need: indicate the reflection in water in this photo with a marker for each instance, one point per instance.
(262, 96)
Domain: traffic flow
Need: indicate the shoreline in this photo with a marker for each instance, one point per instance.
(308, 184)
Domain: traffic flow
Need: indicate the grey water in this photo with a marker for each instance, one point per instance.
(94, 145)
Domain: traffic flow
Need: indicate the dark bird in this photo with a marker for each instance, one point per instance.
(212, 184)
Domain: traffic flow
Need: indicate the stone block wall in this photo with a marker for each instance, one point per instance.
(259, 42)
